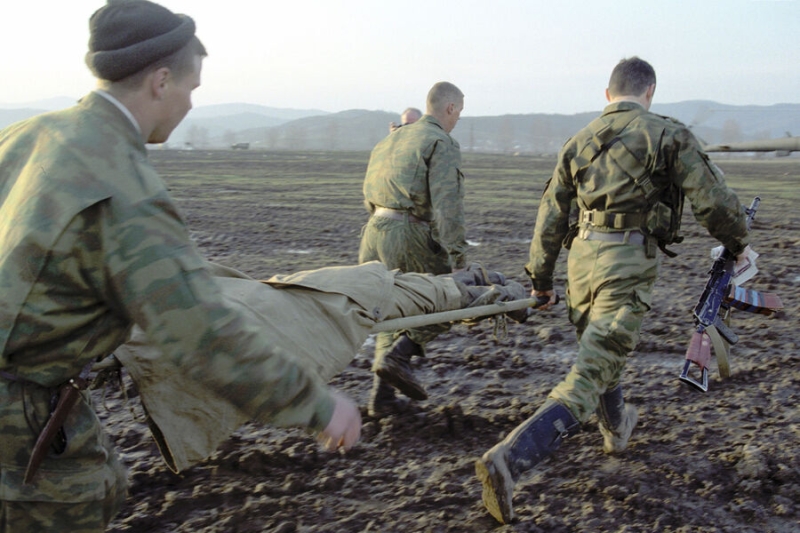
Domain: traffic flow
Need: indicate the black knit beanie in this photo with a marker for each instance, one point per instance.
(127, 35)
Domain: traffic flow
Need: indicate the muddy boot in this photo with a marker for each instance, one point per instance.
(394, 367)
(526, 446)
(382, 400)
(617, 420)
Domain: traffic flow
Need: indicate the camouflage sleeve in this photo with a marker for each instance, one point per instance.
(159, 281)
(446, 188)
(552, 224)
(715, 206)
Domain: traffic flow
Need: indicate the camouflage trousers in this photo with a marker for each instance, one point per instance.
(608, 293)
(79, 490)
(409, 247)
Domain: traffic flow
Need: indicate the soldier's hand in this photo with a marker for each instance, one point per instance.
(744, 268)
(552, 299)
(344, 429)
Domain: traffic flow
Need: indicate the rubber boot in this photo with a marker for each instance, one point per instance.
(382, 399)
(394, 367)
(525, 447)
(617, 420)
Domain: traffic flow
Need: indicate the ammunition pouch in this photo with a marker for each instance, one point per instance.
(663, 220)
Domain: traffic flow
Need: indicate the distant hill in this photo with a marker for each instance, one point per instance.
(222, 110)
(220, 124)
(352, 130)
(270, 128)
(535, 133)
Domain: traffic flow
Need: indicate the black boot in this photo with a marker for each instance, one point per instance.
(526, 446)
(394, 367)
(382, 400)
(617, 420)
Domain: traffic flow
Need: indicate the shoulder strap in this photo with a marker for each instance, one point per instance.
(603, 136)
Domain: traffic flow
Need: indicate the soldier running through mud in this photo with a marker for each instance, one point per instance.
(629, 171)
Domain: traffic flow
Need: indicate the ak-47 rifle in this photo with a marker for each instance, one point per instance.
(712, 314)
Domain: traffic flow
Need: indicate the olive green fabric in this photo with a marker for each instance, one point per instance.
(417, 169)
(607, 298)
(609, 284)
(605, 186)
(320, 317)
(410, 248)
(90, 244)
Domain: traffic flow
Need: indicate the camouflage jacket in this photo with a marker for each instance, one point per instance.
(91, 243)
(417, 169)
(660, 145)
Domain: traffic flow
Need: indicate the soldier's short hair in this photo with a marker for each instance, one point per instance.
(410, 114)
(442, 94)
(631, 77)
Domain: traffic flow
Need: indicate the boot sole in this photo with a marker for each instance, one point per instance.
(411, 389)
(493, 499)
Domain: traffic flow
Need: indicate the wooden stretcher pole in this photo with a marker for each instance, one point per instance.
(416, 321)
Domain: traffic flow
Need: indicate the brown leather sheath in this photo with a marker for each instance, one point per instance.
(68, 396)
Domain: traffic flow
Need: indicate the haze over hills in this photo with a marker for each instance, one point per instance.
(270, 128)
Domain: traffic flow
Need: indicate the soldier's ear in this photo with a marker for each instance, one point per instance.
(159, 80)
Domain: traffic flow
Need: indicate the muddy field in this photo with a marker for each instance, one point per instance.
(725, 461)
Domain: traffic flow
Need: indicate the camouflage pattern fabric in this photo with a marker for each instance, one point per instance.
(680, 160)
(607, 299)
(408, 247)
(90, 244)
(609, 283)
(415, 169)
(79, 490)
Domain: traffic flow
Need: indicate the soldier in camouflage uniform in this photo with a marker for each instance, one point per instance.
(90, 244)
(414, 190)
(627, 173)
(409, 116)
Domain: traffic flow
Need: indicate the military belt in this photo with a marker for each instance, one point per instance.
(611, 220)
(624, 237)
(397, 214)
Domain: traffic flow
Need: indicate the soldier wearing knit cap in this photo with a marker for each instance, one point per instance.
(128, 35)
(98, 245)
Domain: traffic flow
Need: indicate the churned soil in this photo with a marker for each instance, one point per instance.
(724, 461)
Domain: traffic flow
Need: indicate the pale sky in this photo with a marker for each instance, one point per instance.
(507, 56)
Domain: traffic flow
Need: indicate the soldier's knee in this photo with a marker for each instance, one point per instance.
(623, 330)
